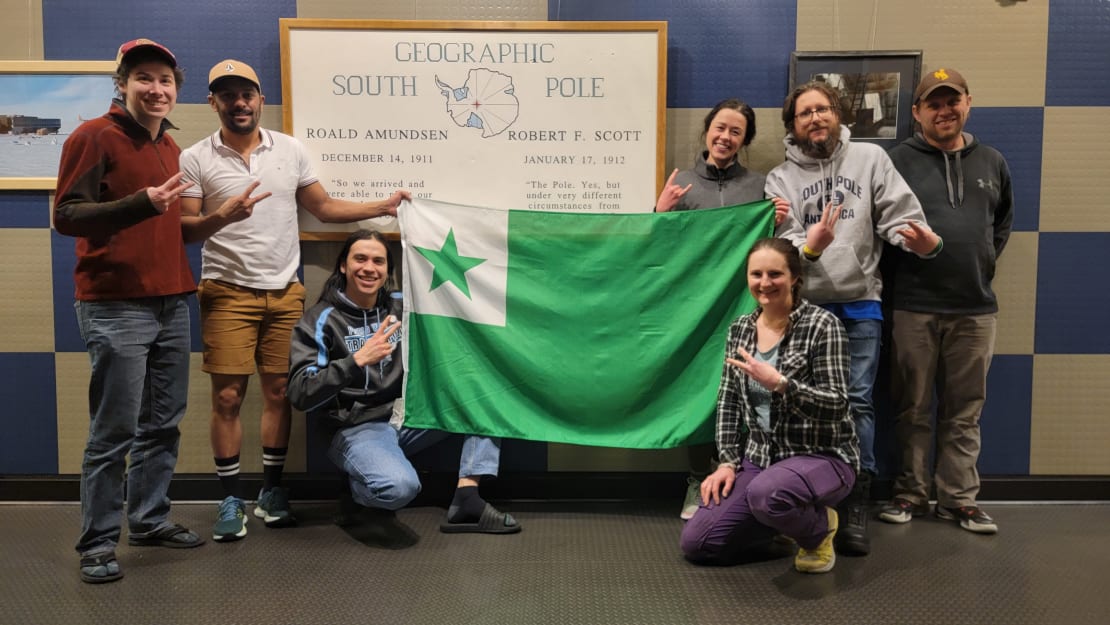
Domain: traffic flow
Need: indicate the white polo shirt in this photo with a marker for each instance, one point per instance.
(262, 251)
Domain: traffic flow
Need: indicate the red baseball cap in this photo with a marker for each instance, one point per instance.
(139, 44)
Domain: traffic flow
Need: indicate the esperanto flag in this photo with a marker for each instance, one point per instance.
(592, 329)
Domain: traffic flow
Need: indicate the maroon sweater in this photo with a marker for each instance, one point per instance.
(125, 248)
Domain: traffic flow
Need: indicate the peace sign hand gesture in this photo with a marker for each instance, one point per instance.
(820, 235)
(167, 193)
(377, 347)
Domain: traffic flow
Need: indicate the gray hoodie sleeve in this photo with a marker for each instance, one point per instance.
(894, 204)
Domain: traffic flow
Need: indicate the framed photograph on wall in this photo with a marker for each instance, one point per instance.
(41, 102)
(876, 89)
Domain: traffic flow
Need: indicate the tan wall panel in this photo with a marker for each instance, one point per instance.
(28, 275)
(195, 451)
(578, 458)
(21, 31)
(1073, 159)
(357, 9)
(1001, 48)
(1015, 283)
(71, 373)
(1069, 430)
(518, 10)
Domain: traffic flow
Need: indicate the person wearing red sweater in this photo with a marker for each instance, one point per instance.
(118, 188)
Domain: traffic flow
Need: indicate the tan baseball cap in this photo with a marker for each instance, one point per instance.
(231, 68)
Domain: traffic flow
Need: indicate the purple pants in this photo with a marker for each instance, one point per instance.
(788, 498)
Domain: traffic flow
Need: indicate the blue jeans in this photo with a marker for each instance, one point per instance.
(864, 339)
(139, 351)
(374, 457)
(789, 498)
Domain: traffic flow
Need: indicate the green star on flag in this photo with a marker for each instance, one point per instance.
(450, 266)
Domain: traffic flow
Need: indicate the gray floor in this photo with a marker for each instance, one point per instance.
(587, 564)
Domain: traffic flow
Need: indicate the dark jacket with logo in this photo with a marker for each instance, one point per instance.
(969, 201)
(323, 376)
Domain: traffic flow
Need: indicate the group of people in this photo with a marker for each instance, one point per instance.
(133, 199)
(795, 421)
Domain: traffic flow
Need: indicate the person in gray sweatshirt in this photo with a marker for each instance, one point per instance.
(845, 200)
(945, 312)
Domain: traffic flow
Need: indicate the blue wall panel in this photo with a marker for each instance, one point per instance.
(1073, 293)
(1007, 415)
(1018, 134)
(67, 337)
(1078, 53)
(199, 38)
(715, 50)
(24, 209)
(27, 393)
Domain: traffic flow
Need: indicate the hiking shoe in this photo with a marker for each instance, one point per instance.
(231, 520)
(273, 508)
(693, 499)
(900, 510)
(852, 513)
(971, 518)
(821, 559)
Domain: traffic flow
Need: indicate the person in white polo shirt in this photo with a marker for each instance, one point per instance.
(247, 183)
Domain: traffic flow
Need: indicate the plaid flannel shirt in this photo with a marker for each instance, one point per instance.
(812, 416)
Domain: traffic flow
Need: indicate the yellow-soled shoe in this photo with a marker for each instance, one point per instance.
(821, 559)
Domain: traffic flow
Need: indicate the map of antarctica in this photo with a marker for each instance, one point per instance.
(485, 101)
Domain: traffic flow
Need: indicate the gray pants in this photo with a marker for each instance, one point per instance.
(952, 354)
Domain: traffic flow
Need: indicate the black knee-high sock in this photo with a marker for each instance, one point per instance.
(273, 463)
(227, 469)
(466, 506)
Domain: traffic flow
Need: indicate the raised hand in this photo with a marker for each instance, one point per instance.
(377, 347)
(167, 193)
(671, 194)
(820, 235)
(761, 372)
(241, 206)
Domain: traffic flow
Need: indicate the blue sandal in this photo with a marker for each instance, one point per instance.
(100, 568)
(172, 536)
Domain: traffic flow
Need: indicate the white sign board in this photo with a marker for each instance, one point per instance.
(562, 116)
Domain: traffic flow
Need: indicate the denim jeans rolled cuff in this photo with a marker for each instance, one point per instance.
(139, 357)
(481, 456)
(864, 342)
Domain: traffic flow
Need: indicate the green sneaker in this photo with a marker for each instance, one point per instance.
(273, 508)
(231, 520)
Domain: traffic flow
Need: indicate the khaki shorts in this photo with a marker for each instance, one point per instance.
(243, 328)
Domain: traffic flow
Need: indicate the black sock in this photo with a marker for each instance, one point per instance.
(466, 506)
(273, 463)
(227, 469)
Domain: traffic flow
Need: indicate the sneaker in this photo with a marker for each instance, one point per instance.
(971, 518)
(821, 559)
(273, 508)
(693, 499)
(231, 520)
(900, 510)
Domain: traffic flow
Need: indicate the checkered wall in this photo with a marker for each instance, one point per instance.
(1037, 71)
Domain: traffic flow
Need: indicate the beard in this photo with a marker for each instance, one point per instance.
(820, 150)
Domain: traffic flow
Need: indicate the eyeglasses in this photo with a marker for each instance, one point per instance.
(807, 115)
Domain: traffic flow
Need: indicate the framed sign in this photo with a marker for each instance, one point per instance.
(876, 89)
(563, 116)
(41, 102)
